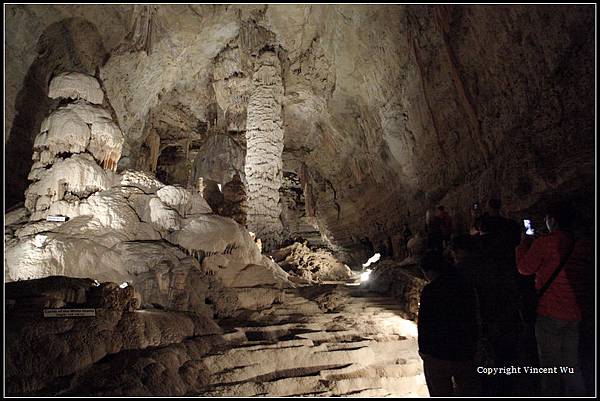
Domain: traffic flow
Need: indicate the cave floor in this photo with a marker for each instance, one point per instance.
(334, 340)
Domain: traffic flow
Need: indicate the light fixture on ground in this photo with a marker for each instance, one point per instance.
(366, 273)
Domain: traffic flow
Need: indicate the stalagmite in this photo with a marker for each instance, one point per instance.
(75, 85)
(264, 138)
(63, 132)
(64, 167)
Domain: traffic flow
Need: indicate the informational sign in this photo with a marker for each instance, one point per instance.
(56, 218)
(69, 312)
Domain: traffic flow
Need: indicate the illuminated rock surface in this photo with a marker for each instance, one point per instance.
(77, 143)
(295, 348)
(403, 281)
(312, 266)
(123, 234)
(76, 86)
(264, 139)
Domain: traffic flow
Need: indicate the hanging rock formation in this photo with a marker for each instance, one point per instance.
(434, 113)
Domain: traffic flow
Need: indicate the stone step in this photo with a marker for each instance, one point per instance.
(394, 387)
(296, 349)
(395, 380)
(234, 366)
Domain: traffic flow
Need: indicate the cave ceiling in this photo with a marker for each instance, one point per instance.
(388, 110)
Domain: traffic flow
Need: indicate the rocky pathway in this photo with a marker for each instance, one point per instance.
(325, 340)
(341, 341)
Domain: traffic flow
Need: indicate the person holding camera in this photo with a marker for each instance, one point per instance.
(557, 260)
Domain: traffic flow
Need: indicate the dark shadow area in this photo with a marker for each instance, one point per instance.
(173, 166)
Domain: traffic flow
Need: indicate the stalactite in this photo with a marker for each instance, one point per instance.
(229, 249)
(109, 161)
(145, 27)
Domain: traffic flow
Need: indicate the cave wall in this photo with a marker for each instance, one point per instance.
(521, 80)
(462, 103)
(387, 110)
(451, 105)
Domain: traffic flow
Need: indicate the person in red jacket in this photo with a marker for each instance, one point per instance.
(559, 309)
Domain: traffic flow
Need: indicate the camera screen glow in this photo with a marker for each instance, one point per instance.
(528, 229)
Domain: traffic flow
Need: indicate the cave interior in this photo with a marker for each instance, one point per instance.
(235, 200)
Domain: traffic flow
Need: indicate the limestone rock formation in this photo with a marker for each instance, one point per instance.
(42, 351)
(128, 227)
(300, 349)
(75, 85)
(72, 141)
(235, 204)
(105, 143)
(151, 210)
(264, 140)
(402, 281)
(79, 125)
(143, 181)
(185, 203)
(232, 86)
(63, 131)
(392, 129)
(219, 159)
(124, 234)
(73, 178)
(312, 266)
(330, 123)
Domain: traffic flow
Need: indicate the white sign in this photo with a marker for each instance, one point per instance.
(56, 218)
(69, 312)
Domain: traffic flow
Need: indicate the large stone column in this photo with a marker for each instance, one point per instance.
(264, 144)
